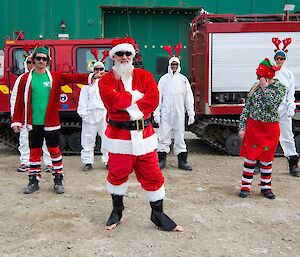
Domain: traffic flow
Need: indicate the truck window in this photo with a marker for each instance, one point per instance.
(1, 63)
(19, 56)
(84, 59)
(161, 65)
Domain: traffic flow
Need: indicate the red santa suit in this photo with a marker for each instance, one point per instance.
(129, 101)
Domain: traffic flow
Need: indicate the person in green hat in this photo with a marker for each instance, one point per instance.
(36, 108)
(259, 128)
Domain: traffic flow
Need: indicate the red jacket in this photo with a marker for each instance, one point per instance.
(116, 99)
(23, 113)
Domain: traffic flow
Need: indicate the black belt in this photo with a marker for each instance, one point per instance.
(138, 125)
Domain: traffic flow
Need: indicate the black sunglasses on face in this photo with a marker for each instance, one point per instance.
(174, 64)
(29, 62)
(279, 58)
(97, 69)
(121, 53)
(45, 59)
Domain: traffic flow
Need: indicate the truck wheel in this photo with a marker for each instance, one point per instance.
(297, 143)
(74, 141)
(62, 141)
(233, 144)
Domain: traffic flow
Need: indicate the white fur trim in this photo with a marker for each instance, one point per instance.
(159, 194)
(52, 128)
(122, 47)
(126, 146)
(14, 124)
(127, 82)
(174, 59)
(26, 92)
(134, 112)
(117, 190)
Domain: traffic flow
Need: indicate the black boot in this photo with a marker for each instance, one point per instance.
(159, 218)
(118, 207)
(33, 185)
(58, 186)
(293, 165)
(182, 163)
(162, 157)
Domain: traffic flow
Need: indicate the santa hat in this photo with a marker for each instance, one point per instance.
(122, 44)
(98, 63)
(266, 69)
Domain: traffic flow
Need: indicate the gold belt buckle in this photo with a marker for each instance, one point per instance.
(138, 125)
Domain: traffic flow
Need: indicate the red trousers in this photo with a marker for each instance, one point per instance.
(146, 168)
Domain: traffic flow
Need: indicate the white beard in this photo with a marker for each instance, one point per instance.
(123, 70)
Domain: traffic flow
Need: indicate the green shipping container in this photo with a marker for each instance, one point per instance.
(152, 23)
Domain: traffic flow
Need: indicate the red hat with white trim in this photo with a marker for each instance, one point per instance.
(125, 44)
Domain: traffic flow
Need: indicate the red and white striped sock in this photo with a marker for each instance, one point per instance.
(247, 177)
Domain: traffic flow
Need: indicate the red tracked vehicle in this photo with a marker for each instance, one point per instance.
(68, 56)
(224, 51)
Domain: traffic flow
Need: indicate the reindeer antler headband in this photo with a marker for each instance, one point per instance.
(105, 54)
(276, 41)
(169, 50)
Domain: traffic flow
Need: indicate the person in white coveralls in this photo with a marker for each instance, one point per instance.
(176, 98)
(287, 107)
(93, 113)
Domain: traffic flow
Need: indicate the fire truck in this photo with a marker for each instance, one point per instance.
(68, 56)
(224, 52)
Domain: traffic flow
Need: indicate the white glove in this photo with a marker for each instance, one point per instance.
(136, 95)
(191, 120)
(290, 113)
(156, 119)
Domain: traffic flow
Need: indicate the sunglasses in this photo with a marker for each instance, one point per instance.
(97, 69)
(121, 53)
(174, 64)
(45, 59)
(29, 62)
(279, 58)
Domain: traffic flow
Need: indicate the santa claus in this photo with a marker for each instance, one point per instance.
(130, 95)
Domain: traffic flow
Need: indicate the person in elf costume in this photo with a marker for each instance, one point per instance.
(130, 95)
(23, 137)
(36, 108)
(259, 128)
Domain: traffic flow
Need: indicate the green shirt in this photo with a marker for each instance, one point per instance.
(263, 106)
(40, 91)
